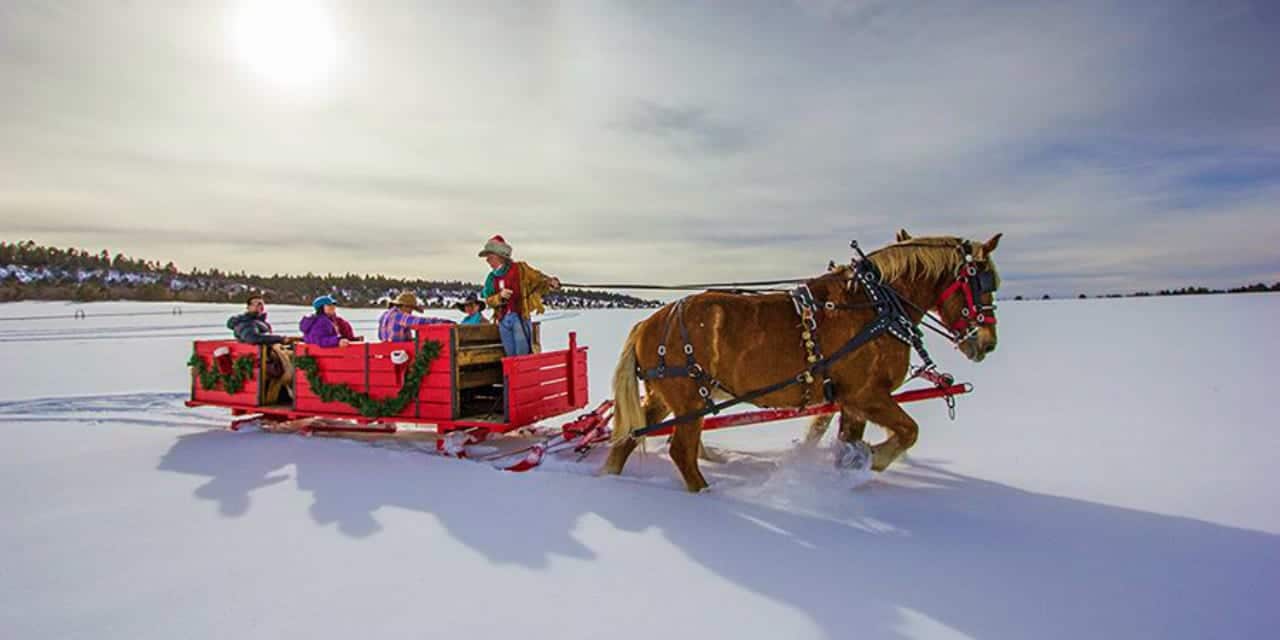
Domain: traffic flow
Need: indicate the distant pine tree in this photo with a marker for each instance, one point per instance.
(138, 279)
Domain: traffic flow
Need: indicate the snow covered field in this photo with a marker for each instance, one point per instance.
(1114, 475)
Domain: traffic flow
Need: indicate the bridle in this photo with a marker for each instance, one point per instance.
(972, 283)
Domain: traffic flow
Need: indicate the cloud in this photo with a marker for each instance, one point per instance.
(1118, 146)
(684, 128)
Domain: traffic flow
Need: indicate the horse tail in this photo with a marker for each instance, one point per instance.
(628, 413)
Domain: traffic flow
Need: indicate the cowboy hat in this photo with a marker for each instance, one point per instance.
(471, 299)
(406, 299)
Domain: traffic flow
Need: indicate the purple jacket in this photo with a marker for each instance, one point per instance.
(319, 330)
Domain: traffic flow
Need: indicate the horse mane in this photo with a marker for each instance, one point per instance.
(924, 258)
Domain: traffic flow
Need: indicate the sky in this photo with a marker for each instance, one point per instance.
(1117, 146)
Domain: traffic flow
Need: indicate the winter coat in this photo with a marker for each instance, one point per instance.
(527, 285)
(395, 325)
(319, 330)
(344, 329)
(252, 328)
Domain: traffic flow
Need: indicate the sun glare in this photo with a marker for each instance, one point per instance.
(291, 43)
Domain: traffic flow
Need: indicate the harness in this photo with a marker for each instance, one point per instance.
(890, 318)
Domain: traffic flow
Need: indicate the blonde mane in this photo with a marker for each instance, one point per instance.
(925, 258)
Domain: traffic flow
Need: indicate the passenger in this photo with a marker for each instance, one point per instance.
(514, 291)
(345, 329)
(251, 327)
(325, 328)
(473, 307)
(397, 321)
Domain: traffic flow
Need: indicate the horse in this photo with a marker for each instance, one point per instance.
(733, 344)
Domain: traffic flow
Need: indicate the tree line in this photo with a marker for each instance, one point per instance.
(30, 271)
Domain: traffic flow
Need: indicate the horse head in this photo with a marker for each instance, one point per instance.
(960, 283)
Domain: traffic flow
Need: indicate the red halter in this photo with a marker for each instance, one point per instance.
(973, 315)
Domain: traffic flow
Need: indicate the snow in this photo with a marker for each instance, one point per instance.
(1113, 475)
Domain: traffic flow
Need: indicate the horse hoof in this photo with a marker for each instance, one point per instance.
(854, 456)
(853, 462)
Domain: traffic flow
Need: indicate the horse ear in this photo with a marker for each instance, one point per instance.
(903, 236)
(991, 244)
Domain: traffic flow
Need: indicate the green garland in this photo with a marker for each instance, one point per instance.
(361, 402)
(241, 371)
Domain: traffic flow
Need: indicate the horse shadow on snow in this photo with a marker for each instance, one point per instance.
(983, 558)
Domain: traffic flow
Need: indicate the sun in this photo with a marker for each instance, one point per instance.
(291, 43)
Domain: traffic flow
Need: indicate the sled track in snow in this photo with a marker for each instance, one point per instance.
(797, 478)
(153, 409)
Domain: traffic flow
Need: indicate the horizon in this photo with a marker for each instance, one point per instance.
(673, 294)
(1119, 149)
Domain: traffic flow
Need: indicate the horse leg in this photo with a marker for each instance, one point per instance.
(684, 453)
(818, 429)
(852, 426)
(654, 411)
(618, 455)
(902, 432)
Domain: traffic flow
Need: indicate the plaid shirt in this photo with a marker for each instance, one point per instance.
(394, 325)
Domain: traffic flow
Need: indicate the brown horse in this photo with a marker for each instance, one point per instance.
(747, 342)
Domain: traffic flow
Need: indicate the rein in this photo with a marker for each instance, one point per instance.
(729, 286)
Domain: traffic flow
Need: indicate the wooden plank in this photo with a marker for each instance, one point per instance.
(356, 380)
(426, 394)
(333, 363)
(520, 364)
(386, 368)
(354, 351)
(384, 383)
(538, 377)
(247, 396)
(353, 379)
(437, 332)
(385, 348)
(479, 377)
(582, 388)
(468, 334)
(205, 348)
(380, 353)
(535, 411)
(441, 379)
(531, 394)
(468, 356)
(308, 402)
(435, 410)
